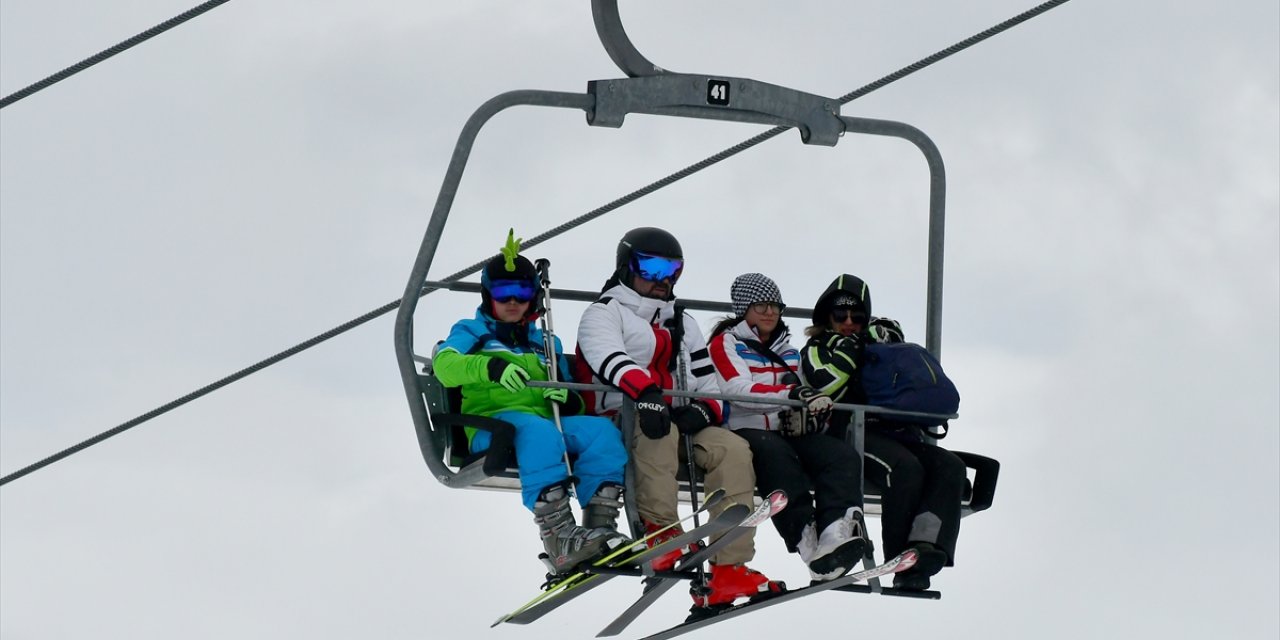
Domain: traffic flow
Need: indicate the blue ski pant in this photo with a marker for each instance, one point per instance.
(540, 450)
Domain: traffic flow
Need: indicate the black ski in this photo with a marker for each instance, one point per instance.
(593, 576)
(901, 562)
(656, 586)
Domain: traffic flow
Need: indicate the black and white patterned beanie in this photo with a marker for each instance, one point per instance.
(750, 288)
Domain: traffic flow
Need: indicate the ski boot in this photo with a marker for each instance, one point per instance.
(601, 512)
(728, 583)
(567, 545)
(929, 561)
(667, 561)
(837, 550)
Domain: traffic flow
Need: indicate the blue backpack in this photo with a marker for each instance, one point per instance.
(907, 377)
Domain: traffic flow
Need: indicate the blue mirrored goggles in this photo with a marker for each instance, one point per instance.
(518, 290)
(656, 268)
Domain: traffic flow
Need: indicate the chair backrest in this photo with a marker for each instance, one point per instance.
(448, 431)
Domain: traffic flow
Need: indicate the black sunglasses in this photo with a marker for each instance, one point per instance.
(841, 315)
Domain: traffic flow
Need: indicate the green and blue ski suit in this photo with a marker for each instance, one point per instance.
(463, 361)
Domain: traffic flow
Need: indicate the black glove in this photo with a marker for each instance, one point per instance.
(507, 374)
(885, 331)
(692, 417)
(653, 413)
(852, 346)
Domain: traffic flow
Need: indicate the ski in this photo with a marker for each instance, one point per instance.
(901, 562)
(552, 588)
(599, 573)
(636, 553)
(656, 586)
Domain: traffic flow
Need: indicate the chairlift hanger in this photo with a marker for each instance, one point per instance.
(648, 89)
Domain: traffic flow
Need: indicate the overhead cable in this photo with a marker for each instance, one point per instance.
(107, 53)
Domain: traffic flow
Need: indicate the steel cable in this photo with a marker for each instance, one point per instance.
(107, 53)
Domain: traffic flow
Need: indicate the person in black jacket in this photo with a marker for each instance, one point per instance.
(922, 483)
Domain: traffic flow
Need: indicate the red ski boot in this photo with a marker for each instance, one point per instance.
(667, 561)
(732, 581)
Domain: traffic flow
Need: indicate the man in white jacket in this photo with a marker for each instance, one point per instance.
(631, 339)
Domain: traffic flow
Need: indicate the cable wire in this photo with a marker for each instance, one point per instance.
(542, 237)
(107, 53)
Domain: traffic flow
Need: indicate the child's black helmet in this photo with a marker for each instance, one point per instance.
(507, 269)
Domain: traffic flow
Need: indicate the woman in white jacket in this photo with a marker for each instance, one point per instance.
(752, 354)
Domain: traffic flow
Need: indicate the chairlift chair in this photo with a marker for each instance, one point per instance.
(647, 89)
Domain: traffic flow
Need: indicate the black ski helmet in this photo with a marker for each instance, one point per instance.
(521, 269)
(647, 240)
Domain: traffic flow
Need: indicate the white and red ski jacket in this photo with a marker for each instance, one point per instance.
(745, 371)
(624, 340)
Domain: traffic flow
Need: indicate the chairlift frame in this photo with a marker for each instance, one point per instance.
(649, 89)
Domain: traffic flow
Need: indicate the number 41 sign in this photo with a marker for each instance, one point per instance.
(718, 92)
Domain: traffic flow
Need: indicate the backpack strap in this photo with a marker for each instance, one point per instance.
(759, 348)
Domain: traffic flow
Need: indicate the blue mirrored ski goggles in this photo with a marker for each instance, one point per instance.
(656, 268)
(518, 290)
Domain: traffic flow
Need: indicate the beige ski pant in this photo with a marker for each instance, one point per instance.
(725, 460)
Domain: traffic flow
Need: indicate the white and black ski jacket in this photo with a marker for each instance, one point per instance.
(743, 370)
(624, 340)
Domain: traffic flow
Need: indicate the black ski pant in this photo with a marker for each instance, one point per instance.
(797, 464)
(922, 486)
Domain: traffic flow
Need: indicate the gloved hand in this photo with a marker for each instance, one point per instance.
(849, 345)
(818, 404)
(560, 396)
(791, 423)
(885, 331)
(653, 413)
(507, 374)
(692, 417)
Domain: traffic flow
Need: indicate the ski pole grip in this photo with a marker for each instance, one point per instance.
(543, 267)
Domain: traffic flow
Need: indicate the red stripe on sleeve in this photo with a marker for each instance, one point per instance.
(720, 358)
(716, 408)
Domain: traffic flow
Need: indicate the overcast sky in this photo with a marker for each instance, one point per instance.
(266, 171)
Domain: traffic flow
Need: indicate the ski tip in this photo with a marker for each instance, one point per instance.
(907, 560)
(778, 499)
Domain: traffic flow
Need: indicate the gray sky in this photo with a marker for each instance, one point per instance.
(265, 173)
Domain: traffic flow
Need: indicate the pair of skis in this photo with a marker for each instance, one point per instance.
(631, 554)
(624, 561)
(659, 584)
(901, 562)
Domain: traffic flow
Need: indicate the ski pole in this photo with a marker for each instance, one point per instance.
(682, 384)
(543, 267)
